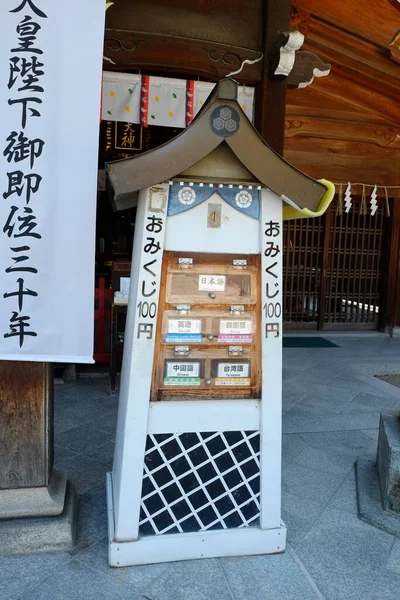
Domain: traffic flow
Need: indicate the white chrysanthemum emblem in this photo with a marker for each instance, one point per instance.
(187, 195)
(243, 199)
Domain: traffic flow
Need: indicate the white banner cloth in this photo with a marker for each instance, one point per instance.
(167, 99)
(50, 91)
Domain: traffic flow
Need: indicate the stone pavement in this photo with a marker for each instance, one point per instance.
(331, 414)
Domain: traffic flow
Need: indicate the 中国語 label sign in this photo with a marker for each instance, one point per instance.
(46, 239)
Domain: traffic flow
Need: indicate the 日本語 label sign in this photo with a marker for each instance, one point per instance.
(212, 283)
(47, 242)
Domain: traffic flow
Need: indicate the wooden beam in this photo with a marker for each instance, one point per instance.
(374, 21)
(26, 424)
(271, 93)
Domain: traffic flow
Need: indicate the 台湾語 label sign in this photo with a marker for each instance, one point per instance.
(233, 369)
(212, 283)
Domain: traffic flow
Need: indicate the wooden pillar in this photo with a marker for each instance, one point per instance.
(390, 294)
(271, 93)
(26, 424)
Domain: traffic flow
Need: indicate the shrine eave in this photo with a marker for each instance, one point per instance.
(221, 119)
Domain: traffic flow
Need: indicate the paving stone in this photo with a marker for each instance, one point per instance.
(318, 391)
(77, 581)
(85, 472)
(346, 382)
(353, 442)
(374, 401)
(297, 423)
(83, 438)
(262, 577)
(292, 445)
(372, 433)
(190, 580)
(326, 461)
(345, 556)
(393, 563)
(309, 484)
(138, 579)
(346, 496)
(107, 422)
(91, 522)
(299, 515)
(20, 573)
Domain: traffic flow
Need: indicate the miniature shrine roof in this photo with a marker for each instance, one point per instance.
(220, 145)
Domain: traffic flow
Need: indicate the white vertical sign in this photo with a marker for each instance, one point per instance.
(271, 332)
(50, 93)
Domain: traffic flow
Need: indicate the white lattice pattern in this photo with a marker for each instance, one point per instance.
(200, 481)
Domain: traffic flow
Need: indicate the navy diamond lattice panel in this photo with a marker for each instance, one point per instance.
(199, 481)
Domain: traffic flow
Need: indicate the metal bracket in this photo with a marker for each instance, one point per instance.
(183, 309)
(237, 309)
(185, 263)
(181, 350)
(235, 350)
(239, 264)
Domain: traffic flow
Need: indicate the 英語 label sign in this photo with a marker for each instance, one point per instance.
(184, 326)
(212, 283)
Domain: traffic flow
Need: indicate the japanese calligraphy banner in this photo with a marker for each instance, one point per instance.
(50, 89)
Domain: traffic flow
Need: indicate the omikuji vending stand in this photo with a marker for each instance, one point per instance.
(197, 466)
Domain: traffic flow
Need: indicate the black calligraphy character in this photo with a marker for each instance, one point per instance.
(143, 289)
(20, 259)
(28, 224)
(29, 70)
(272, 328)
(25, 107)
(33, 8)
(20, 293)
(155, 225)
(18, 326)
(267, 291)
(152, 247)
(272, 250)
(273, 229)
(27, 31)
(16, 184)
(269, 270)
(145, 328)
(147, 266)
(21, 148)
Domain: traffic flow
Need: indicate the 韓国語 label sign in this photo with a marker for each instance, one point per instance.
(229, 326)
(233, 369)
(212, 283)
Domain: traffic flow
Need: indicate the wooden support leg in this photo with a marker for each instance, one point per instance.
(28, 484)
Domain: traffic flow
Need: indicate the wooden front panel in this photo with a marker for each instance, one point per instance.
(209, 351)
(355, 270)
(26, 422)
(302, 266)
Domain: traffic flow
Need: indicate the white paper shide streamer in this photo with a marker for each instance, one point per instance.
(373, 203)
(347, 198)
